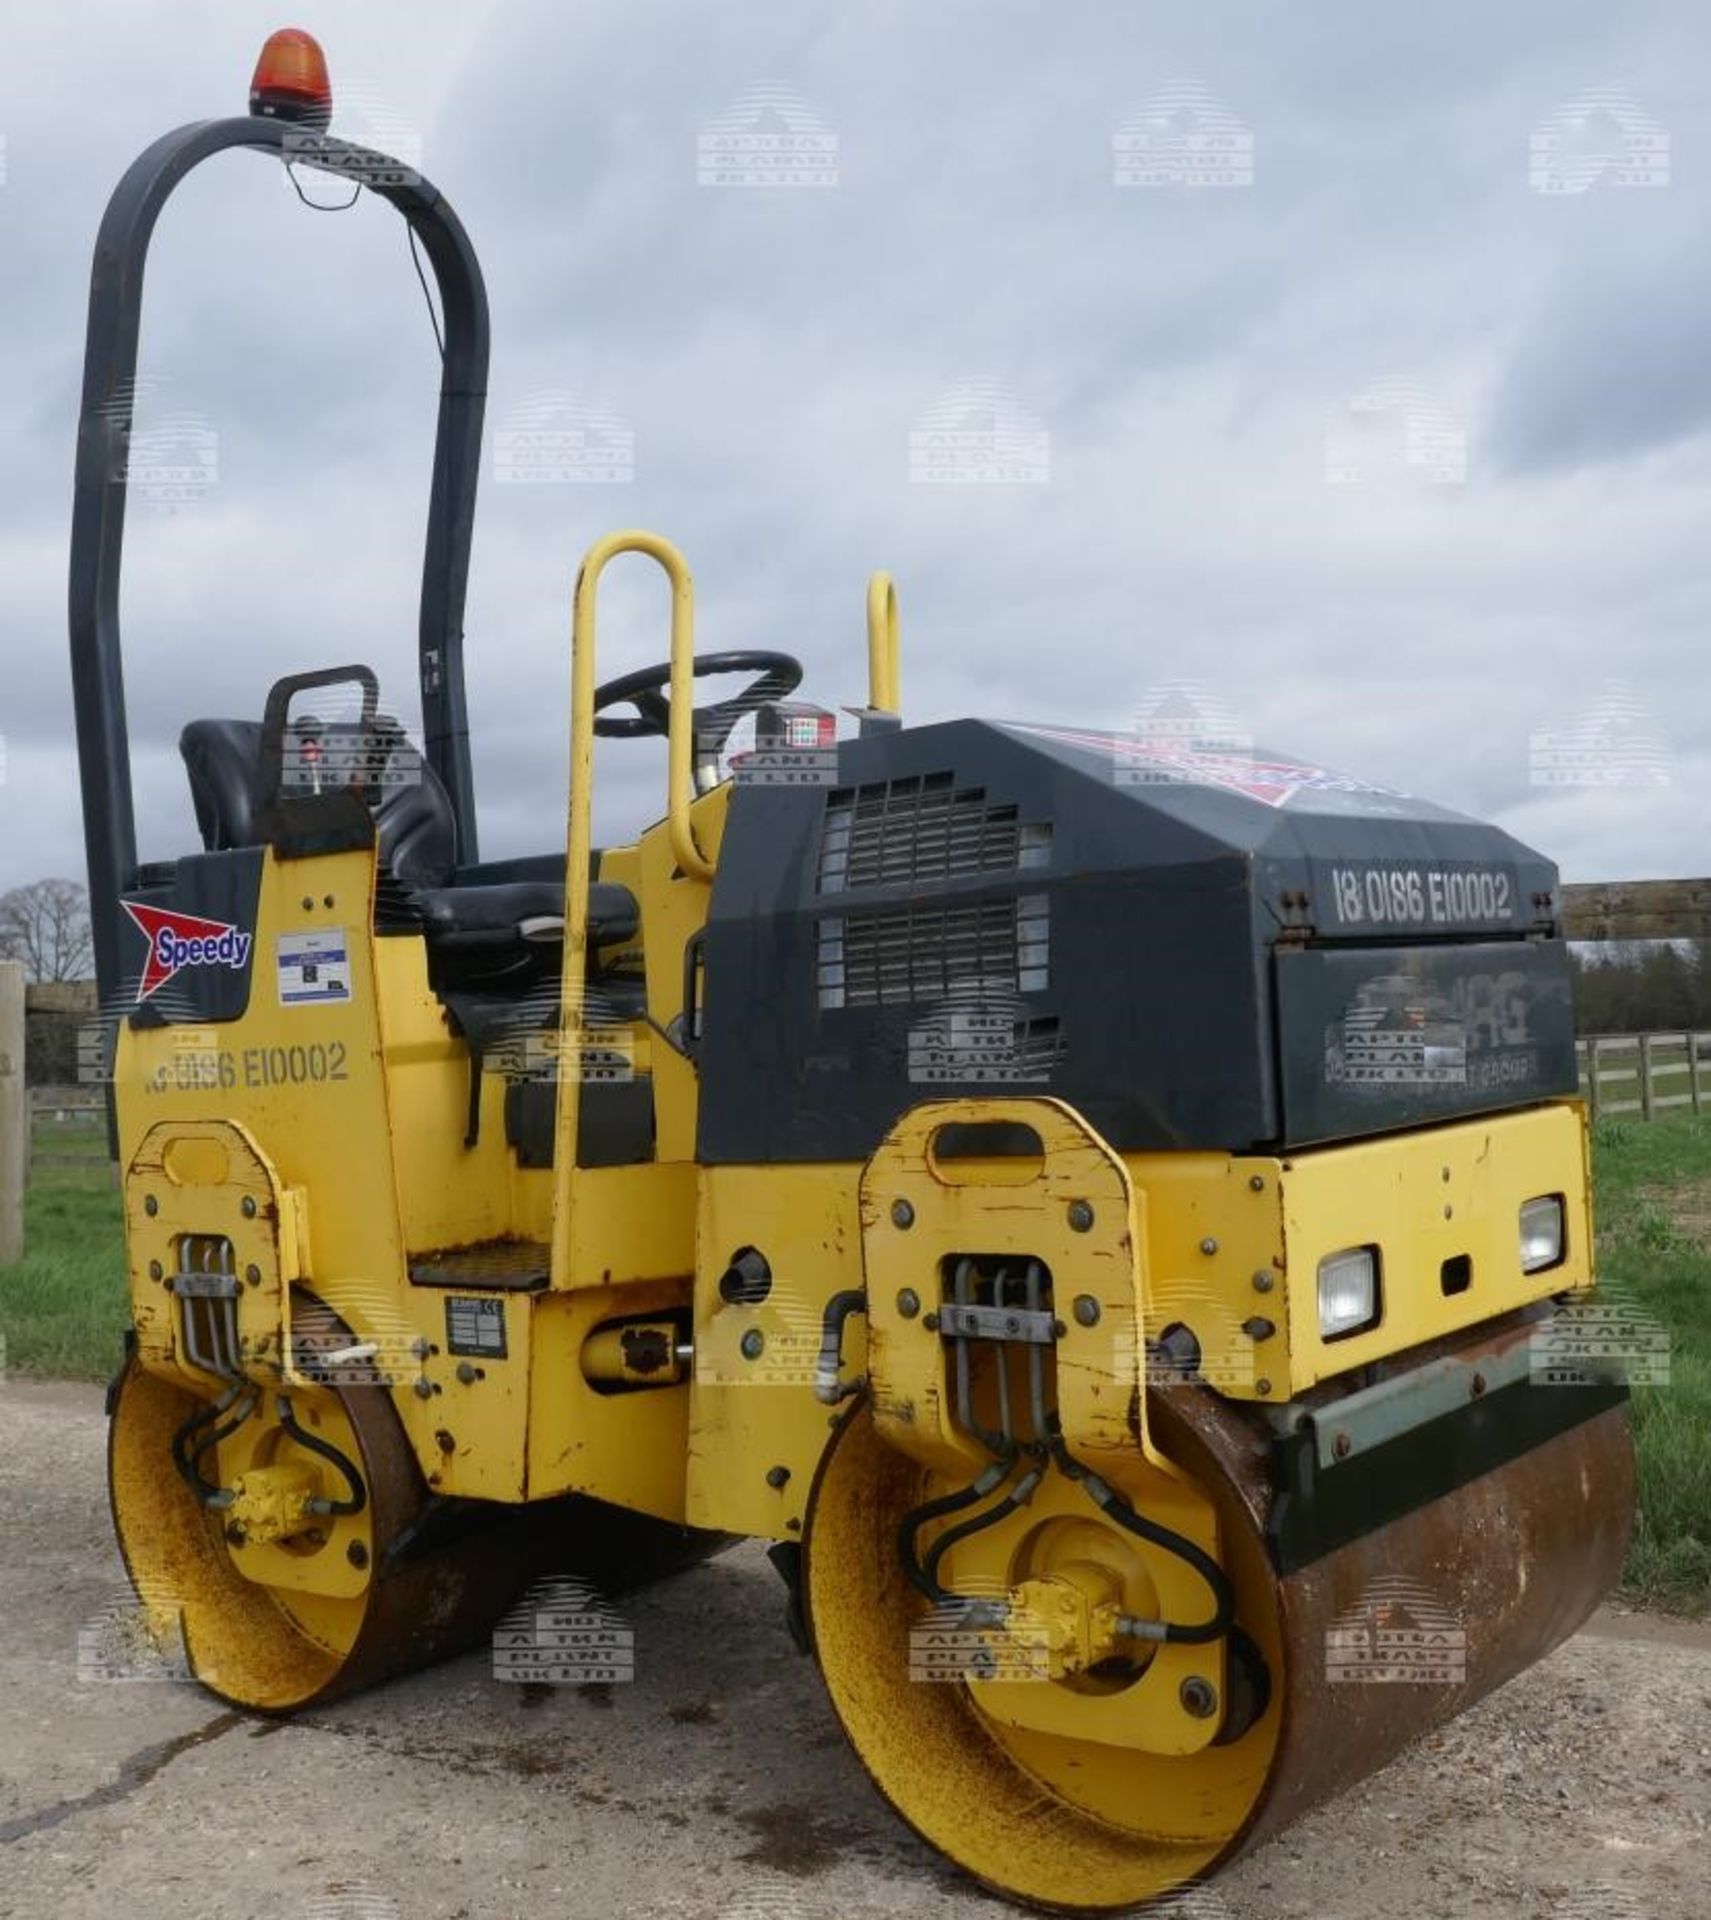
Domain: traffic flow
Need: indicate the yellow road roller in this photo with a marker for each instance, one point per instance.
(1108, 1206)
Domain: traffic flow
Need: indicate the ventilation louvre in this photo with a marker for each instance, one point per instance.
(900, 832)
(900, 957)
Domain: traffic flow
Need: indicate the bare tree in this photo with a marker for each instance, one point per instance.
(46, 925)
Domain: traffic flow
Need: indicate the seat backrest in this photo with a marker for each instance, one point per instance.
(413, 821)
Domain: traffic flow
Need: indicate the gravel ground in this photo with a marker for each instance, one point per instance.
(717, 1786)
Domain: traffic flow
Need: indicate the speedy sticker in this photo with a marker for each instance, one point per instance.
(314, 969)
(180, 940)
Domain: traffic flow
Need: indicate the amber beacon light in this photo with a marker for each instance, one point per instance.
(291, 80)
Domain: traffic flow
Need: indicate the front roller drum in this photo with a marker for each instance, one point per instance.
(1516, 1561)
(412, 1579)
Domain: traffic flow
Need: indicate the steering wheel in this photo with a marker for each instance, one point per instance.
(777, 675)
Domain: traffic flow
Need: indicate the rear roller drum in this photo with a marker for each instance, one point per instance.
(280, 1605)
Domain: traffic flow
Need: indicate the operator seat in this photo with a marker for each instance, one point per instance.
(490, 933)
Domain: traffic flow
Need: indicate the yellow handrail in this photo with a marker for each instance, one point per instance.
(579, 835)
(884, 647)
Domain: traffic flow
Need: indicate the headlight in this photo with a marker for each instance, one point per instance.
(1348, 1291)
(1542, 1233)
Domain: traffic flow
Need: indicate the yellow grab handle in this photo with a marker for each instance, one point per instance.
(579, 835)
(681, 741)
(884, 647)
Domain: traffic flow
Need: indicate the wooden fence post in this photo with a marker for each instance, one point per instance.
(1592, 1076)
(14, 1113)
(1693, 1069)
(1645, 1076)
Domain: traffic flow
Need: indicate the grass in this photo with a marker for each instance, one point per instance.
(62, 1308)
(1653, 1186)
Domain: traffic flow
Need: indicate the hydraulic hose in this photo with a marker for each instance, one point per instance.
(1115, 1507)
(315, 1444)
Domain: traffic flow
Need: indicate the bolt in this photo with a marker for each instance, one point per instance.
(1263, 1282)
(308, 903)
(1199, 1697)
(327, 900)
(1258, 1328)
(753, 1344)
(1256, 1182)
(1262, 1388)
(445, 1441)
(1446, 1174)
(931, 1322)
(151, 1205)
(357, 1554)
(1086, 1310)
(1478, 1385)
(235, 1535)
(154, 1269)
(1449, 1213)
(249, 1206)
(253, 1275)
(1208, 1245)
(1342, 1446)
(424, 1389)
(1080, 1216)
(466, 1373)
(902, 1214)
(908, 1302)
(777, 1476)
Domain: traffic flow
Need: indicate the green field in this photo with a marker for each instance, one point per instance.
(62, 1307)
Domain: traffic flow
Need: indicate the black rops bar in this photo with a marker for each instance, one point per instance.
(98, 510)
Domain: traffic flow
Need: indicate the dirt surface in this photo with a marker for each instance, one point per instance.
(716, 1785)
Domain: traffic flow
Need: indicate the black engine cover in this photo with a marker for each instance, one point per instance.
(1220, 951)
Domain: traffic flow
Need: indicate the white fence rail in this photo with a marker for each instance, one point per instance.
(1645, 1073)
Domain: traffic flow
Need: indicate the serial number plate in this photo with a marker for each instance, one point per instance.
(1383, 895)
(195, 1069)
(475, 1327)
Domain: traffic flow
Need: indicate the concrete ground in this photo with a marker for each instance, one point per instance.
(716, 1785)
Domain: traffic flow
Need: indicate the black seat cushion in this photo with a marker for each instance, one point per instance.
(479, 914)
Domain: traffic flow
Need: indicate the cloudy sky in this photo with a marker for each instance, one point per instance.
(1349, 364)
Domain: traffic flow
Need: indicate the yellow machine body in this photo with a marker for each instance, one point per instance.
(304, 1208)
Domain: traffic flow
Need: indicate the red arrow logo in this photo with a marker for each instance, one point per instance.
(179, 940)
